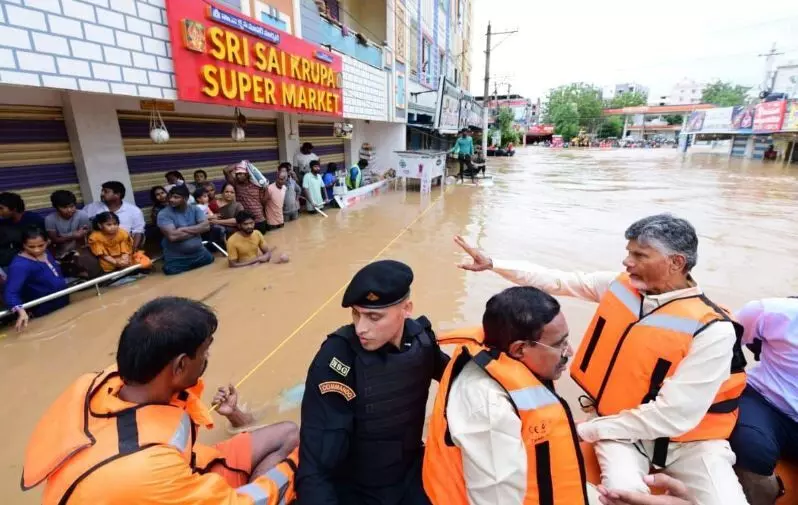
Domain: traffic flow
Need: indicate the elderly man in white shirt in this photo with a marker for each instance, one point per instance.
(112, 199)
(693, 402)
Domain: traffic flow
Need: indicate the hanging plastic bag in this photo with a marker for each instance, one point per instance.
(255, 175)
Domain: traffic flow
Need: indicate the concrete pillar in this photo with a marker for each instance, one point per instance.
(352, 146)
(96, 142)
(625, 126)
(288, 136)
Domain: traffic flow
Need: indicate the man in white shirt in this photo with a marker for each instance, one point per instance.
(662, 251)
(131, 219)
(303, 158)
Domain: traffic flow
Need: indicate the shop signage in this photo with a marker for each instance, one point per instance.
(791, 118)
(541, 130)
(717, 120)
(768, 116)
(448, 117)
(475, 115)
(224, 58)
(159, 105)
(695, 121)
(743, 118)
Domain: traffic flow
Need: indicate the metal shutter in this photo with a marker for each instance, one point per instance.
(328, 147)
(35, 157)
(196, 142)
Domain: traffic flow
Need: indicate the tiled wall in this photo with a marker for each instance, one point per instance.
(365, 91)
(111, 46)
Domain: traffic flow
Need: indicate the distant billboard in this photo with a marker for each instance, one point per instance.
(717, 120)
(695, 121)
(769, 116)
(791, 117)
(743, 118)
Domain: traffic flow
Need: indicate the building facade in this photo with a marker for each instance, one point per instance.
(630, 87)
(82, 81)
(684, 92)
(437, 68)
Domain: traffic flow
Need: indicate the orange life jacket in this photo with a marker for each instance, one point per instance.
(624, 357)
(85, 429)
(555, 472)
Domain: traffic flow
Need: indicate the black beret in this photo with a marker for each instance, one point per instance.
(379, 285)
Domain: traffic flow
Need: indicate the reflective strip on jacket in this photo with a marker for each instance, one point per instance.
(555, 475)
(625, 356)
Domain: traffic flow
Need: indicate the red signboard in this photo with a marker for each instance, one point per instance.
(542, 129)
(768, 116)
(223, 57)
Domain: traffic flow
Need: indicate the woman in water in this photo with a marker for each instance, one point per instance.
(33, 274)
(228, 208)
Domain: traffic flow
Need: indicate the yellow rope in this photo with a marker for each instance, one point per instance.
(330, 299)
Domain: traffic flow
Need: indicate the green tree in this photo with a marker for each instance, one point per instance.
(504, 121)
(632, 99)
(724, 94)
(573, 107)
(612, 126)
(673, 119)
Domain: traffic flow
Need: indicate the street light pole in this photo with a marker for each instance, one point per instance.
(486, 92)
(486, 97)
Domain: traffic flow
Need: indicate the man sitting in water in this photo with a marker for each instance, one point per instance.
(182, 226)
(767, 429)
(661, 363)
(128, 434)
(247, 246)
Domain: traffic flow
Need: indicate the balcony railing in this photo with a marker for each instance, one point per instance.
(349, 43)
(319, 28)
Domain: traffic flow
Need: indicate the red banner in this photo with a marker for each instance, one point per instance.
(769, 116)
(225, 58)
(543, 129)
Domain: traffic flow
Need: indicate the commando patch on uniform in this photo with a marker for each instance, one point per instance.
(340, 368)
(337, 387)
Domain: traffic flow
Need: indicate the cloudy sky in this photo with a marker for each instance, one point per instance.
(615, 41)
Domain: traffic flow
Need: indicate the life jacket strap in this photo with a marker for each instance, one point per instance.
(543, 474)
(660, 456)
(127, 432)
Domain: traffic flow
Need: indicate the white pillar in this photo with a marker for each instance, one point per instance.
(352, 146)
(96, 142)
(287, 136)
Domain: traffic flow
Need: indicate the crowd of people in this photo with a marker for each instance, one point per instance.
(661, 365)
(188, 220)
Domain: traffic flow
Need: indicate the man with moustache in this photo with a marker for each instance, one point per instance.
(365, 398)
(661, 363)
(128, 434)
(497, 410)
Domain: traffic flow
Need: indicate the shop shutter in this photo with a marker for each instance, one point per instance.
(761, 144)
(35, 157)
(328, 147)
(196, 142)
(739, 145)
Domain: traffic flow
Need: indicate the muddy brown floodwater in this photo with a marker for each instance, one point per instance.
(561, 208)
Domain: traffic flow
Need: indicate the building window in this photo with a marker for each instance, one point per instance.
(426, 61)
(333, 9)
(412, 55)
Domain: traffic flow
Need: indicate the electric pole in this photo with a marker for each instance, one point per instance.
(486, 98)
(767, 84)
(486, 93)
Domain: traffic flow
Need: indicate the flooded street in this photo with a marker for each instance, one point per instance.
(560, 208)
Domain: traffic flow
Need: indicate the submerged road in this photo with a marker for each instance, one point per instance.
(562, 208)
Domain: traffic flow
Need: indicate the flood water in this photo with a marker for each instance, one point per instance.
(560, 208)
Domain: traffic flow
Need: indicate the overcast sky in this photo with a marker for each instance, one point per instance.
(616, 41)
